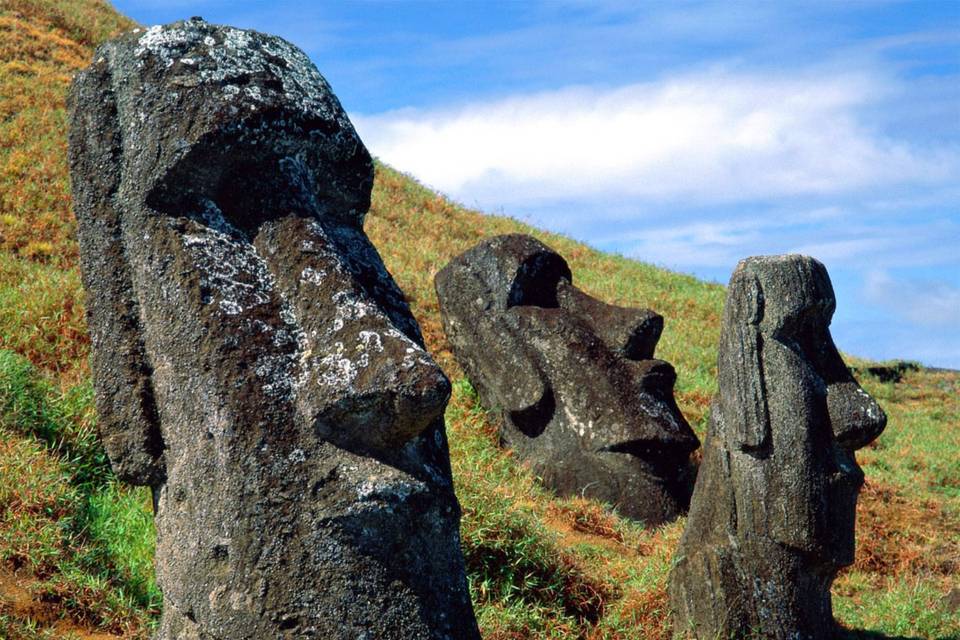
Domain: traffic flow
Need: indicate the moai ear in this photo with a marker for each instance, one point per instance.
(743, 395)
(128, 421)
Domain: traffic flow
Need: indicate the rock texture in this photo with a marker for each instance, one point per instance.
(254, 361)
(581, 398)
(772, 516)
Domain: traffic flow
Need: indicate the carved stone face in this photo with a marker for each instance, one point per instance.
(796, 401)
(583, 400)
(772, 516)
(254, 361)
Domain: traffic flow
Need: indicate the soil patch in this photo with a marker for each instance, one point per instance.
(17, 601)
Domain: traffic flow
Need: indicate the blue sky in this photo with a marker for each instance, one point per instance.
(688, 134)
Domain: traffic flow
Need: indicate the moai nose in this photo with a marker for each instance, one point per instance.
(856, 418)
(364, 379)
(403, 382)
(632, 333)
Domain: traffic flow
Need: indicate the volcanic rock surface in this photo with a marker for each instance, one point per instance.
(254, 362)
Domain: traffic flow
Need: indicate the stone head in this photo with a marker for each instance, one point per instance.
(582, 398)
(788, 400)
(233, 143)
(254, 361)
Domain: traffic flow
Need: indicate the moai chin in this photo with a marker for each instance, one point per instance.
(254, 362)
(582, 400)
(772, 516)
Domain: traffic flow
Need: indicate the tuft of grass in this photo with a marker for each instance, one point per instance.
(42, 317)
(905, 607)
(84, 542)
(120, 529)
(65, 426)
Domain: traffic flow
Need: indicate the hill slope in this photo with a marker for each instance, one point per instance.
(76, 548)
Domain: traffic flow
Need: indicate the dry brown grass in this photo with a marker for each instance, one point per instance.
(900, 537)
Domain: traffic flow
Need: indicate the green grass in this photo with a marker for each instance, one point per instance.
(539, 567)
(901, 609)
(86, 541)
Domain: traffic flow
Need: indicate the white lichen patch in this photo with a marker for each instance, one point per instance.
(231, 270)
(228, 57)
(392, 490)
(237, 281)
(160, 41)
(871, 407)
(370, 341)
(313, 276)
(349, 308)
(336, 369)
(413, 353)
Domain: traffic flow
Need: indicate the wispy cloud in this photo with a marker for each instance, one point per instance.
(715, 136)
(924, 302)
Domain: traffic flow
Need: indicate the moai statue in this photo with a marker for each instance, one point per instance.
(581, 399)
(254, 362)
(772, 516)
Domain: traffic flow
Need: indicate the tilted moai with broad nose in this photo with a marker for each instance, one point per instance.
(583, 402)
(772, 516)
(254, 362)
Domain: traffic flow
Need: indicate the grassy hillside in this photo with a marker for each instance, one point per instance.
(76, 547)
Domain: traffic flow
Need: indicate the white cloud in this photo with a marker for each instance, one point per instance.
(701, 244)
(716, 136)
(926, 303)
(844, 249)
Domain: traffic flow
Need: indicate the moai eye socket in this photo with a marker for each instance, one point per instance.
(536, 279)
(249, 183)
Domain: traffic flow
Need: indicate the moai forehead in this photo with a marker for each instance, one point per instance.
(209, 111)
(791, 293)
(513, 270)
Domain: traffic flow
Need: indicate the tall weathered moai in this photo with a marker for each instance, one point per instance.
(772, 516)
(582, 400)
(254, 362)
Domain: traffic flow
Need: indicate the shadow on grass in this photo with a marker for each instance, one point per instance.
(859, 634)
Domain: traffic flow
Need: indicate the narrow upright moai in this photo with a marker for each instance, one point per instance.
(581, 398)
(254, 362)
(772, 516)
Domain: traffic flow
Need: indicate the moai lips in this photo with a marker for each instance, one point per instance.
(582, 399)
(772, 516)
(254, 362)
